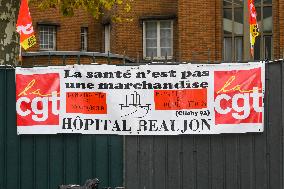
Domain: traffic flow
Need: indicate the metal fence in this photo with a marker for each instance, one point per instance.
(226, 161)
(46, 161)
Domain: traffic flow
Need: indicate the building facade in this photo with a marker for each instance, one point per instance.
(180, 30)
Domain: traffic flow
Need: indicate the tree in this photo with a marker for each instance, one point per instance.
(9, 42)
(9, 45)
(95, 7)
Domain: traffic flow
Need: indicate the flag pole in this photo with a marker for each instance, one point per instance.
(20, 55)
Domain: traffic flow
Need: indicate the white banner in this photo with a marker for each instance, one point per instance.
(141, 100)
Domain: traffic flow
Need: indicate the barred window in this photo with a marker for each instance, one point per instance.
(47, 37)
(84, 39)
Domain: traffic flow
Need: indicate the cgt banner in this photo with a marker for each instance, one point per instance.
(141, 100)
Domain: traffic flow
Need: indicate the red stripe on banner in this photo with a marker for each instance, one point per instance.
(37, 99)
(180, 99)
(238, 96)
(86, 102)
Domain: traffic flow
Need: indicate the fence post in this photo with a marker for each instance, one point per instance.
(94, 58)
(123, 58)
(108, 58)
(5, 125)
(49, 57)
(78, 59)
(33, 61)
(282, 106)
(166, 58)
(64, 60)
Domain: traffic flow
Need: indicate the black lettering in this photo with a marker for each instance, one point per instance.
(89, 75)
(116, 126)
(155, 74)
(152, 125)
(173, 124)
(195, 85)
(127, 74)
(192, 126)
(142, 123)
(205, 73)
(67, 73)
(90, 86)
(164, 126)
(185, 74)
(204, 122)
(105, 86)
(88, 122)
(204, 84)
(67, 122)
(124, 126)
(78, 123)
(172, 73)
(97, 124)
(140, 75)
(69, 85)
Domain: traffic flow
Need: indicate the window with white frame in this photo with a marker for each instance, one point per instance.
(158, 39)
(233, 30)
(47, 37)
(107, 38)
(84, 39)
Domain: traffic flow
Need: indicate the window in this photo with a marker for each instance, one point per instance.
(158, 39)
(263, 45)
(107, 38)
(47, 37)
(233, 22)
(236, 44)
(84, 39)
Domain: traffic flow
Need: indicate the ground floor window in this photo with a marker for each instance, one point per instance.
(107, 37)
(47, 37)
(158, 39)
(84, 38)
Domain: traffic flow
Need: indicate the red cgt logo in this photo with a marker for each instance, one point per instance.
(37, 99)
(238, 96)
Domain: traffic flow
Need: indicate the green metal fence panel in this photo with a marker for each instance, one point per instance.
(227, 161)
(46, 161)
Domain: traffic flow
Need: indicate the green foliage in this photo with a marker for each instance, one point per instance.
(95, 7)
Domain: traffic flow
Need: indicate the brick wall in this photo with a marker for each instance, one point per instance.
(128, 36)
(69, 29)
(69, 60)
(197, 28)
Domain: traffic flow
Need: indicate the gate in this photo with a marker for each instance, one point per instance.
(226, 161)
(46, 161)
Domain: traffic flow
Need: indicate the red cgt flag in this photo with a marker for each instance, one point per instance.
(253, 25)
(25, 27)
